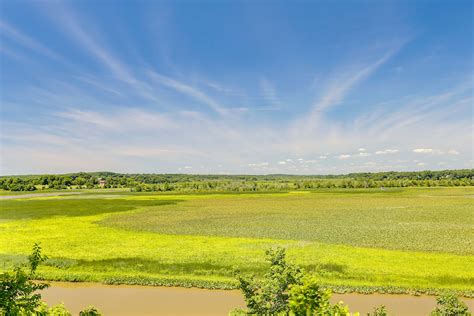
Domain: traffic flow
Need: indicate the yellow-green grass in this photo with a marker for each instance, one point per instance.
(396, 240)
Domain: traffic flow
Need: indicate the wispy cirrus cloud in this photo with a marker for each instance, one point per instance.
(83, 34)
(128, 119)
(158, 118)
(427, 109)
(225, 140)
(220, 88)
(21, 38)
(77, 29)
(187, 90)
(342, 84)
(335, 91)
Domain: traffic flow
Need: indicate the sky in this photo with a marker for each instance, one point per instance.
(236, 87)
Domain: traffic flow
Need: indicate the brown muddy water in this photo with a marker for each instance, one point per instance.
(119, 300)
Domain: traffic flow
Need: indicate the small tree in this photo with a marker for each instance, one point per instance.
(18, 293)
(270, 295)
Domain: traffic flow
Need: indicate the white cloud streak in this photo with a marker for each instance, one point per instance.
(386, 151)
(435, 151)
(188, 90)
(8, 30)
(342, 85)
(344, 156)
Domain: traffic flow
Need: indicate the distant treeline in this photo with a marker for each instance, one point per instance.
(235, 183)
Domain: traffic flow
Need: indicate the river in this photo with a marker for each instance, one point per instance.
(171, 301)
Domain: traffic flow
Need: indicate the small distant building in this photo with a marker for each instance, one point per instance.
(102, 182)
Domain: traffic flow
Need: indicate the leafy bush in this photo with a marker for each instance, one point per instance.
(449, 305)
(90, 311)
(309, 299)
(57, 310)
(270, 295)
(18, 293)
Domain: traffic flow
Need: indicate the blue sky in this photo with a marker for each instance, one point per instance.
(236, 86)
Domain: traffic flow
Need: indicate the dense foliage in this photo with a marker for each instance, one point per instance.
(270, 295)
(235, 183)
(20, 294)
(310, 299)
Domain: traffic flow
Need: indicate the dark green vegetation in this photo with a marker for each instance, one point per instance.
(47, 207)
(403, 240)
(20, 295)
(235, 183)
(286, 290)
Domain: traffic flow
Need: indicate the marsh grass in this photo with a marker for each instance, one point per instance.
(390, 220)
(410, 240)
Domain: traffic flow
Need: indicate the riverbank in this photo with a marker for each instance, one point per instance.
(120, 300)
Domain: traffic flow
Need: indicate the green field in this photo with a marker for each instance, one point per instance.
(394, 240)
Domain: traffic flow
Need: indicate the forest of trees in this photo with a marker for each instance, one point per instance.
(235, 183)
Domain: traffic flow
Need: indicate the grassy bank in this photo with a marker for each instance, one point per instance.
(400, 240)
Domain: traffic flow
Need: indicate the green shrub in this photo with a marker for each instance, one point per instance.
(309, 299)
(18, 293)
(270, 295)
(238, 312)
(339, 309)
(90, 311)
(449, 305)
(44, 310)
